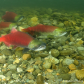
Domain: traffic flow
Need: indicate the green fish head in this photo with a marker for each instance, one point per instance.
(36, 45)
(60, 31)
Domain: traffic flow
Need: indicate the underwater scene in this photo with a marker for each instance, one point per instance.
(41, 42)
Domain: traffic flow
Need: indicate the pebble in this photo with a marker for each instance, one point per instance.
(19, 69)
(64, 76)
(76, 62)
(46, 64)
(54, 60)
(30, 69)
(66, 52)
(61, 24)
(80, 74)
(26, 56)
(54, 53)
(16, 61)
(82, 24)
(6, 52)
(67, 61)
(72, 67)
(2, 76)
(80, 48)
(39, 79)
(81, 52)
(12, 66)
(18, 53)
(30, 76)
(2, 60)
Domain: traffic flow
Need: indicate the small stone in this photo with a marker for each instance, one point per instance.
(16, 61)
(26, 56)
(64, 76)
(81, 52)
(18, 53)
(19, 69)
(54, 60)
(76, 62)
(2, 60)
(12, 66)
(80, 48)
(30, 69)
(49, 70)
(67, 61)
(72, 67)
(82, 24)
(30, 76)
(40, 79)
(61, 24)
(6, 52)
(46, 64)
(80, 74)
(66, 52)
(54, 53)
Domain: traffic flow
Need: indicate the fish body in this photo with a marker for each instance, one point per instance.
(20, 39)
(40, 28)
(4, 25)
(9, 16)
(45, 30)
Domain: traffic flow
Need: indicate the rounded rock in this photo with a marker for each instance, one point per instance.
(46, 64)
(76, 62)
(54, 53)
(26, 56)
(72, 67)
(80, 74)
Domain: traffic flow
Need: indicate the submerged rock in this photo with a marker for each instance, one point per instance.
(67, 61)
(54, 53)
(64, 76)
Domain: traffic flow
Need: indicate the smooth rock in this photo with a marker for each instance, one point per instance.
(67, 61)
(12, 66)
(54, 52)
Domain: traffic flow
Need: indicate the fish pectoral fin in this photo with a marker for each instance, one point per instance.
(7, 44)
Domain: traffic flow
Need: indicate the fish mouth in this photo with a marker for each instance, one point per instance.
(41, 47)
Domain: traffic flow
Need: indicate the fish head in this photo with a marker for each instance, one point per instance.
(60, 32)
(36, 45)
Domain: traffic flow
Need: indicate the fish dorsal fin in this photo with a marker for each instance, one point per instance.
(13, 30)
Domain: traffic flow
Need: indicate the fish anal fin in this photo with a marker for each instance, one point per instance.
(13, 30)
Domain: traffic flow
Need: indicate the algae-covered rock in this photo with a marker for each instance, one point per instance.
(18, 53)
(61, 24)
(6, 52)
(40, 79)
(54, 52)
(64, 76)
(81, 52)
(67, 61)
(12, 67)
(82, 24)
(66, 52)
(2, 60)
(47, 64)
(80, 74)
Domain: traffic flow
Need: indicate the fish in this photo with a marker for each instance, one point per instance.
(40, 28)
(9, 16)
(4, 25)
(21, 39)
(45, 30)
